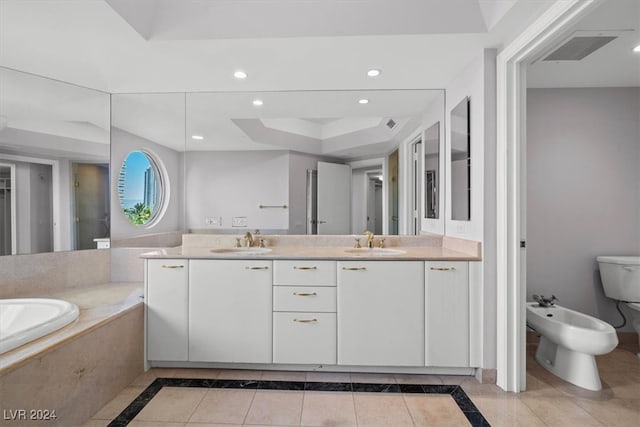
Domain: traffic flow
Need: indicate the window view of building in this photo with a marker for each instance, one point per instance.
(138, 188)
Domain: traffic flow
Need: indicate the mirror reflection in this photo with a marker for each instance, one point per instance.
(54, 165)
(432, 171)
(264, 165)
(147, 153)
(461, 162)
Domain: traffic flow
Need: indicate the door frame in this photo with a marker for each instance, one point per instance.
(12, 177)
(512, 63)
(60, 242)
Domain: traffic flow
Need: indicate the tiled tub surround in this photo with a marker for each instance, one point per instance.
(79, 368)
(73, 370)
(47, 273)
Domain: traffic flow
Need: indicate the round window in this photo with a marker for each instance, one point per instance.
(140, 188)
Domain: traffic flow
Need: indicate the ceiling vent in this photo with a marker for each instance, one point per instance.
(580, 45)
(391, 124)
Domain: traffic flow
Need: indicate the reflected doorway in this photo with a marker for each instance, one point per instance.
(374, 201)
(91, 203)
(7, 210)
(393, 192)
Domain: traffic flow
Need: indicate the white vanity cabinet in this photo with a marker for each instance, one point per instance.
(167, 309)
(230, 311)
(381, 313)
(304, 312)
(447, 313)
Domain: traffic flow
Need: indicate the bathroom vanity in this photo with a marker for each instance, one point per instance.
(313, 307)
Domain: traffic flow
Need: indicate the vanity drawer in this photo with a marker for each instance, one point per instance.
(304, 273)
(304, 298)
(304, 338)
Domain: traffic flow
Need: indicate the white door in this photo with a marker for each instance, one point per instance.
(334, 198)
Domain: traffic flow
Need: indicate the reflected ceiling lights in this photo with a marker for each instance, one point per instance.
(258, 102)
(197, 137)
(363, 101)
(637, 49)
(240, 75)
(374, 72)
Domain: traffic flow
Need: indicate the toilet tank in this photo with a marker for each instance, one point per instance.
(620, 277)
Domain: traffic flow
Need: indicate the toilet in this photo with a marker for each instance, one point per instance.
(569, 342)
(621, 282)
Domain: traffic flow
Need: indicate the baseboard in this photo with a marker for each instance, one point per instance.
(486, 376)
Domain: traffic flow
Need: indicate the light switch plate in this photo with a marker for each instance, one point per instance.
(239, 221)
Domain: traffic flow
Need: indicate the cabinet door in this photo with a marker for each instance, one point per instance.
(447, 313)
(166, 303)
(230, 311)
(381, 313)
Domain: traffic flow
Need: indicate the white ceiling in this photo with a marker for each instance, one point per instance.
(613, 65)
(320, 49)
(171, 45)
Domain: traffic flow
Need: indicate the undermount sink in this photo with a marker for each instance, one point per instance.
(241, 251)
(374, 251)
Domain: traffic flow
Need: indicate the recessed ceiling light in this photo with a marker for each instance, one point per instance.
(374, 72)
(258, 102)
(197, 137)
(240, 75)
(363, 101)
(637, 49)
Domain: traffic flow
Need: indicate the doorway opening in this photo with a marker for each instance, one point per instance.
(393, 162)
(8, 244)
(91, 203)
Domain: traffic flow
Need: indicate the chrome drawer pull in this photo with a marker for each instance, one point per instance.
(305, 320)
(443, 268)
(305, 294)
(354, 268)
(256, 268)
(173, 266)
(305, 268)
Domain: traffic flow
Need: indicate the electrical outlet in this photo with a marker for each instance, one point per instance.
(239, 221)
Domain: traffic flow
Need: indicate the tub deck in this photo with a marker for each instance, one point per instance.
(98, 305)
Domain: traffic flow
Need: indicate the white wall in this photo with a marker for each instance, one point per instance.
(227, 184)
(122, 143)
(583, 195)
(477, 81)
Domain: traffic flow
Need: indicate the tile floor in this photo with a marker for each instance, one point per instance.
(548, 400)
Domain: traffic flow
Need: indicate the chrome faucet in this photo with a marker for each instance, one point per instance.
(370, 236)
(545, 302)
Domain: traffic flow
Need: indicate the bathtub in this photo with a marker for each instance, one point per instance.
(26, 319)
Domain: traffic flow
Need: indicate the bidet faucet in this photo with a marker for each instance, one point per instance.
(545, 302)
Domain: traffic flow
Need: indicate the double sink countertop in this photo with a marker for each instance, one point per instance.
(396, 248)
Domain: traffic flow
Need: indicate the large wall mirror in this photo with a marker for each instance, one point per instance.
(461, 161)
(248, 156)
(54, 165)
